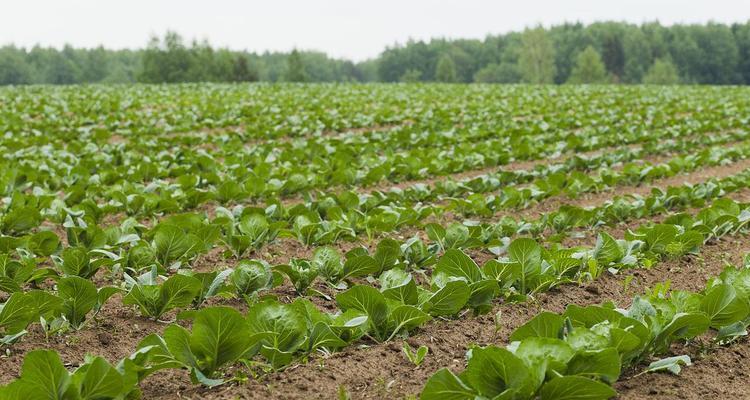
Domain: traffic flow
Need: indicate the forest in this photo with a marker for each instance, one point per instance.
(605, 52)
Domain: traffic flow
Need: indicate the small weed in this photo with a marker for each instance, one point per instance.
(415, 357)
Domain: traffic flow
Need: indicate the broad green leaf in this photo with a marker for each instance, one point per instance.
(493, 370)
(76, 262)
(506, 273)
(46, 304)
(552, 353)
(79, 298)
(659, 236)
(177, 291)
(43, 376)
(528, 254)
(601, 364)
(328, 262)
(582, 339)
(212, 284)
(545, 324)
(456, 264)
(254, 225)
(220, 335)
(17, 313)
(406, 317)
(177, 340)
(682, 326)
(20, 220)
(360, 266)
(444, 385)
(730, 332)
(387, 254)
(251, 276)
(576, 388)
(98, 380)
(591, 315)
(322, 336)
(482, 293)
(670, 364)
(282, 325)
(399, 285)
(171, 244)
(607, 249)
(44, 243)
(449, 300)
(723, 307)
(368, 300)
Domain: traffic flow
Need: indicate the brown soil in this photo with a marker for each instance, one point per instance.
(114, 334)
(285, 139)
(511, 166)
(116, 139)
(722, 373)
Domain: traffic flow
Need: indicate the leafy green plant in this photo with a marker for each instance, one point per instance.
(328, 262)
(280, 330)
(76, 261)
(15, 315)
(80, 297)
(19, 220)
(248, 231)
(302, 273)
(172, 244)
(15, 273)
(219, 337)
(212, 284)
(43, 376)
(251, 276)
(384, 319)
(154, 299)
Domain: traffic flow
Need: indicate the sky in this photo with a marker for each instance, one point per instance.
(352, 29)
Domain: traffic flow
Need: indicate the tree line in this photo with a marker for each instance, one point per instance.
(606, 52)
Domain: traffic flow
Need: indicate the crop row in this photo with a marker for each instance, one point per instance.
(179, 180)
(579, 353)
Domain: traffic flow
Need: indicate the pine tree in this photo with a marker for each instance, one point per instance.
(295, 68)
(241, 71)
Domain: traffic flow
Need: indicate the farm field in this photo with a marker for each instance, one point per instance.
(210, 241)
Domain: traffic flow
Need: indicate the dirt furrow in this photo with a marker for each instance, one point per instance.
(281, 250)
(286, 138)
(593, 199)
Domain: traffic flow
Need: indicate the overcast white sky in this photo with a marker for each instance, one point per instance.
(343, 28)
